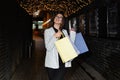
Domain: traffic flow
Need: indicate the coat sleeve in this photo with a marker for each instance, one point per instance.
(49, 40)
(72, 35)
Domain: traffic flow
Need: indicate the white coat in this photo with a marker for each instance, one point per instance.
(52, 58)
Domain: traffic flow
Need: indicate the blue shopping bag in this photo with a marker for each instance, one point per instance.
(80, 43)
(74, 46)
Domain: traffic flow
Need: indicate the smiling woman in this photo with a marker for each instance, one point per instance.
(55, 67)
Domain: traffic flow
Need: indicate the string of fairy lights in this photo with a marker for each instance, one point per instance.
(67, 6)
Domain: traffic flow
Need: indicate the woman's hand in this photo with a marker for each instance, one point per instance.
(72, 29)
(58, 34)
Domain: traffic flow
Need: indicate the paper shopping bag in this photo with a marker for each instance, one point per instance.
(80, 43)
(65, 49)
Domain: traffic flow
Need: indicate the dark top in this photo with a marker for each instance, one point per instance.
(60, 61)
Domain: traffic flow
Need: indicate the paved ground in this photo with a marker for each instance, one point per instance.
(33, 68)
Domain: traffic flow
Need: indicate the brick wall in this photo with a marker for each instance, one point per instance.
(105, 57)
(15, 38)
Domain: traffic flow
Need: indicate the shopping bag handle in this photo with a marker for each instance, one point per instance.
(62, 35)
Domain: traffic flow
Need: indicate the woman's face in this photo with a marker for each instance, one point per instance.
(58, 19)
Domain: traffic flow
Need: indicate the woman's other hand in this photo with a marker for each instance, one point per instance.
(72, 29)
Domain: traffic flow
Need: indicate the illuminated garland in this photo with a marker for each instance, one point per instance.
(67, 6)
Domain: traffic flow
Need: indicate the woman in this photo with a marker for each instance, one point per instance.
(53, 63)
